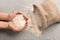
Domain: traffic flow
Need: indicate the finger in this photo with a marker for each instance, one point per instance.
(26, 25)
(18, 12)
(27, 22)
(25, 17)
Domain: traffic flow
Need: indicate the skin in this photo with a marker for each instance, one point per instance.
(8, 24)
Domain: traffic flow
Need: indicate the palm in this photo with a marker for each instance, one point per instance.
(13, 26)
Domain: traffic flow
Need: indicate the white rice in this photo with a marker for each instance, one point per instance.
(19, 21)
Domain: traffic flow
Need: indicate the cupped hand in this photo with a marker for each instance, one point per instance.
(13, 26)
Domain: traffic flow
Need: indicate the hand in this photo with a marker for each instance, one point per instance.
(13, 26)
(13, 14)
